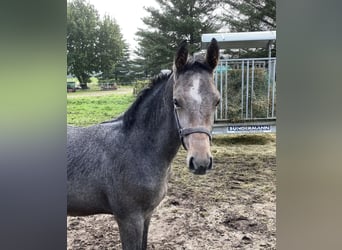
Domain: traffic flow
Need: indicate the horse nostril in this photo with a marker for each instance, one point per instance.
(210, 166)
(191, 164)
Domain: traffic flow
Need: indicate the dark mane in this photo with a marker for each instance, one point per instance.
(130, 115)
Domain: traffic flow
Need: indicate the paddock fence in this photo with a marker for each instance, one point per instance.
(248, 95)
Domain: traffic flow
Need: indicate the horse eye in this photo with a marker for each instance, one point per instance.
(175, 102)
(218, 102)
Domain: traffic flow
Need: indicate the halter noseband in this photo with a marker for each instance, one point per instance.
(187, 131)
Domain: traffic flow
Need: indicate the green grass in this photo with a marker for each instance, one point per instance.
(89, 110)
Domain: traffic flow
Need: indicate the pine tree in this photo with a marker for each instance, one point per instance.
(123, 72)
(173, 22)
(249, 15)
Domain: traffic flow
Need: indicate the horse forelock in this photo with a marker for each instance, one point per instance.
(195, 65)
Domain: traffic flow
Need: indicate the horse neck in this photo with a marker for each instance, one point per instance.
(156, 122)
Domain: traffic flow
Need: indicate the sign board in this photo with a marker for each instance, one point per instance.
(244, 128)
(249, 129)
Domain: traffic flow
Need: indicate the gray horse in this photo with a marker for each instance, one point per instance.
(121, 166)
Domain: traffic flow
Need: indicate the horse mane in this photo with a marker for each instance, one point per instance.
(130, 115)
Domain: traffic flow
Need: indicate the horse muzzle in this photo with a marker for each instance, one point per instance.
(199, 158)
(200, 166)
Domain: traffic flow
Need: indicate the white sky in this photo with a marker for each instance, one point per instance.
(127, 13)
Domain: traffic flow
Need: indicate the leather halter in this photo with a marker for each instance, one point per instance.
(187, 131)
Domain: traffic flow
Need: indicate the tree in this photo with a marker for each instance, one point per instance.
(176, 20)
(109, 48)
(249, 15)
(82, 25)
(123, 69)
(93, 46)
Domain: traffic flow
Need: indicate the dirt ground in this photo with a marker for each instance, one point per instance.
(232, 207)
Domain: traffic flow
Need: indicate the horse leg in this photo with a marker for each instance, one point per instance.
(131, 232)
(145, 233)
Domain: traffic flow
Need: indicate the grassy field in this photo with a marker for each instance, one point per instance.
(88, 107)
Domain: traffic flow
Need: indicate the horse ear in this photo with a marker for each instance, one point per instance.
(181, 56)
(212, 56)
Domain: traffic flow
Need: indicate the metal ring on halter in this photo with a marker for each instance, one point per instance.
(187, 131)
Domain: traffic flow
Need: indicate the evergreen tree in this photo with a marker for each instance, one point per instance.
(173, 22)
(249, 15)
(123, 72)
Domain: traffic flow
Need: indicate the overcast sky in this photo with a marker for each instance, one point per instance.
(127, 13)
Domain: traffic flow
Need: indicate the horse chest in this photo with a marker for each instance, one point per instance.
(152, 192)
(146, 190)
(160, 192)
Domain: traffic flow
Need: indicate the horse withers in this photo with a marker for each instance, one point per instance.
(121, 166)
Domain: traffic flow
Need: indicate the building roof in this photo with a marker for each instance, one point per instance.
(237, 40)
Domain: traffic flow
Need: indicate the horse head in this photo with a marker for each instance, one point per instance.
(195, 99)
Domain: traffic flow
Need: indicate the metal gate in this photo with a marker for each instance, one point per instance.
(248, 95)
(247, 86)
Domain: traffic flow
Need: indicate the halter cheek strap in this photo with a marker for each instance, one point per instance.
(187, 131)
